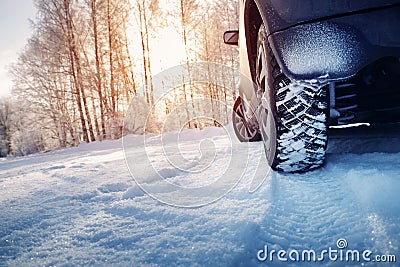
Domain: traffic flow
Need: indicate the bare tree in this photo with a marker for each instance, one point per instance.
(5, 126)
(93, 7)
(149, 17)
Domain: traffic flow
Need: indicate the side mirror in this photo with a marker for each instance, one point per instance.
(231, 37)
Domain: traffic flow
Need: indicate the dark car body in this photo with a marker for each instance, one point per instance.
(368, 27)
(317, 38)
(308, 65)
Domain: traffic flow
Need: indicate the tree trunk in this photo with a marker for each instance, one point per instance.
(111, 58)
(142, 38)
(99, 81)
(77, 75)
(183, 23)
(150, 78)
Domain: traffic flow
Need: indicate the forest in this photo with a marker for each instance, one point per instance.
(87, 60)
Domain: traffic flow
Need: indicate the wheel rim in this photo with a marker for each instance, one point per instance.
(245, 131)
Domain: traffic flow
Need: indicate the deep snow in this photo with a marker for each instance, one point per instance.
(80, 206)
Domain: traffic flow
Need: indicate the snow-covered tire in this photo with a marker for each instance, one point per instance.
(243, 130)
(295, 135)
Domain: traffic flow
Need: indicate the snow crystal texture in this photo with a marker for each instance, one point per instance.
(80, 207)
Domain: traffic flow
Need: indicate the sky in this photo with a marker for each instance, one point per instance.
(14, 32)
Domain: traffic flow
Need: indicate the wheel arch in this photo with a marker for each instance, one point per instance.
(330, 48)
(257, 12)
(252, 22)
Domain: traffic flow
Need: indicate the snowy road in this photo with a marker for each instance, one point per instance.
(80, 207)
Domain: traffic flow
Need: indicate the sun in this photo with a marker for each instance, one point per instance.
(167, 49)
(165, 42)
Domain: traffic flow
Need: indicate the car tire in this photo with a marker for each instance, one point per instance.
(293, 117)
(242, 128)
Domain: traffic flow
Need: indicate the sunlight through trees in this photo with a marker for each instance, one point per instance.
(87, 59)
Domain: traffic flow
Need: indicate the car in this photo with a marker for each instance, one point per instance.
(310, 65)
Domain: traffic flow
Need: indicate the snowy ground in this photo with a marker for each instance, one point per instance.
(80, 206)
